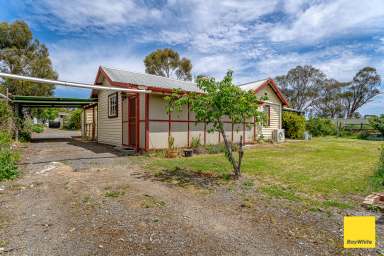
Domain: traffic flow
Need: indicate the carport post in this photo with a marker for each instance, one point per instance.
(17, 112)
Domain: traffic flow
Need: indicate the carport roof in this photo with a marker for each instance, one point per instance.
(42, 101)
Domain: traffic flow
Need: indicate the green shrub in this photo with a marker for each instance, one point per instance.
(73, 121)
(319, 126)
(294, 125)
(195, 143)
(363, 135)
(8, 167)
(5, 139)
(377, 180)
(6, 117)
(220, 148)
(25, 132)
(38, 128)
(377, 123)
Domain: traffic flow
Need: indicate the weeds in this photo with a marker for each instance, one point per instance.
(8, 167)
(114, 194)
(377, 180)
(278, 192)
(336, 204)
(151, 202)
(248, 184)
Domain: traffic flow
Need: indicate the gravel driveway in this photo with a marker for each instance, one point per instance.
(78, 198)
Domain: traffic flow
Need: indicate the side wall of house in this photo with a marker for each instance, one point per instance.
(275, 111)
(109, 129)
(156, 125)
(183, 126)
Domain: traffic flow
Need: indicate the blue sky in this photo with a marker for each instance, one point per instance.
(256, 39)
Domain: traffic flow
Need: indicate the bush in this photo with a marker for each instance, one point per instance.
(294, 125)
(377, 123)
(220, 148)
(320, 126)
(378, 178)
(8, 158)
(8, 167)
(73, 121)
(195, 143)
(363, 135)
(5, 139)
(38, 128)
(25, 133)
(6, 117)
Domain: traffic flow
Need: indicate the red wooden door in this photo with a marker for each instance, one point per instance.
(132, 120)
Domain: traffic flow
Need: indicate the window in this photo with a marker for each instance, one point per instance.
(112, 105)
(267, 115)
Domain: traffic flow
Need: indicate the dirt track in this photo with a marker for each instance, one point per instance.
(84, 199)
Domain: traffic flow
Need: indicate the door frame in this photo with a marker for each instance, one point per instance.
(136, 98)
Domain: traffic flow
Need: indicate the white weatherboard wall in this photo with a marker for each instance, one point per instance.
(109, 129)
(276, 110)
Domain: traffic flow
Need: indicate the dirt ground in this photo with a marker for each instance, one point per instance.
(78, 198)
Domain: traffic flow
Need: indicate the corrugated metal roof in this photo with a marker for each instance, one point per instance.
(123, 76)
(252, 85)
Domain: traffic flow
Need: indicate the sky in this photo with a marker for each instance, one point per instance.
(256, 39)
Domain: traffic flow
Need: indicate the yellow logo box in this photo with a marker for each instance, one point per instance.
(359, 232)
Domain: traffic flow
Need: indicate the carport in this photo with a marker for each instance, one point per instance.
(89, 121)
(89, 118)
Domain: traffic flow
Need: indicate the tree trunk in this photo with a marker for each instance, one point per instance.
(231, 159)
(241, 153)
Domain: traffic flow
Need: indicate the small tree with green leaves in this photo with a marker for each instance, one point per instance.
(216, 102)
(377, 123)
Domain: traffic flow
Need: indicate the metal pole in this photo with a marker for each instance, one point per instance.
(71, 84)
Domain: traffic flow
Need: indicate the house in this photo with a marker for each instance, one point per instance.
(140, 120)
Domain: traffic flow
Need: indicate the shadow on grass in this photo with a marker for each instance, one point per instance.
(182, 177)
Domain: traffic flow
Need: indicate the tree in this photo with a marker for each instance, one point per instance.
(166, 62)
(73, 121)
(361, 90)
(46, 114)
(301, 86)
(377, 123)
(329, 102)
(21, 54)
(219, 100)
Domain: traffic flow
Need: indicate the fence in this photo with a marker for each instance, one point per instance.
(355, 125)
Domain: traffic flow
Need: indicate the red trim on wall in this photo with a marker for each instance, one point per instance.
(188, 126)
(146, 122)
(137, 122)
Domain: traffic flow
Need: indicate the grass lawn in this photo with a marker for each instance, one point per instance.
(323, 168)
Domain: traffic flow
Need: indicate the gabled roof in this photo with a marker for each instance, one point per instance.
(252, 85)
(155, 83)
(260, 84)
(128, 79)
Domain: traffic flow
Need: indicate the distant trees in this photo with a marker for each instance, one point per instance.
(21, 54)
(166, 62)
(301, 85)
(308, 89)
(362, 89)
(330, 101)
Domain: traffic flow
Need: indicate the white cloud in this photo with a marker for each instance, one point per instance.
(80, 62)
(331, 19)
(105, 15)
(256, 39)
